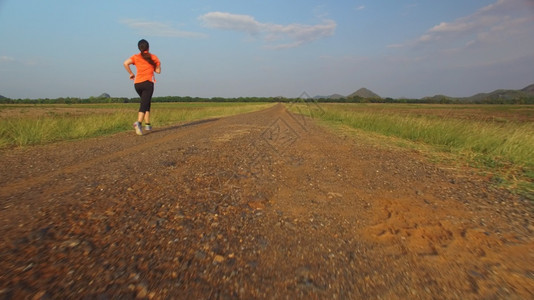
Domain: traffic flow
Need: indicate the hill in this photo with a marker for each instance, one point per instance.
(529, 89)
(336, 96)
(104, 95)
(364, 93)
(502, 95)
(438, 98)
(2, 97)
(524, 95)
(333, 96)
(361, 93)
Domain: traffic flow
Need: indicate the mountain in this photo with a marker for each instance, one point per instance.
(361, 93)
(497, 96)
(529, 89)
(336, 96)
(333, 96)
(502, 94)
(2, 97)
(525, 95)
(438, 98)
(104, 95)
(364, 93)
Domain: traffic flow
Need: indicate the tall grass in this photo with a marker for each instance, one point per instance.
(504, 147)
(511, 141)
(24, 131)
(51, 123)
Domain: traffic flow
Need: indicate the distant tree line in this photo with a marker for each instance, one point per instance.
(354, 99)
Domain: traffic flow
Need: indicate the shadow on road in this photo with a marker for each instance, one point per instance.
(186, 125)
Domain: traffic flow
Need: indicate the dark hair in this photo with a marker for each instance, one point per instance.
(143, 47)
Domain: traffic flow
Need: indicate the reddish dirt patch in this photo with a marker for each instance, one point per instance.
(260, 205)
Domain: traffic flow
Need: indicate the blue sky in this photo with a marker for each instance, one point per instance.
(212, 48)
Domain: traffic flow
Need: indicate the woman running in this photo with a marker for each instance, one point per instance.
(146, 64)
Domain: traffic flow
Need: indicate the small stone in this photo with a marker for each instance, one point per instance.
(218, 259)
(134, 276)
(332, 195)
(71, 243)
(141, 291)
(257, 205)
(39, 295)
(200, 255)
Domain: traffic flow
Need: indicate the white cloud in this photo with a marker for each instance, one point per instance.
(488, 48)
(492, 6)
(227, 21)
(6, 59)
(361, 7)
(498, 21)
(150, 28)
(277, 36)
(503, 30)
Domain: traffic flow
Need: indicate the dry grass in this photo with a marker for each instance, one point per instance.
(24, 125)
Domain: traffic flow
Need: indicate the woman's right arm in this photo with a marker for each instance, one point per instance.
(127, 64)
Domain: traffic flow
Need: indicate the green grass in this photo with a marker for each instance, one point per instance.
(498, 146)
(25, 125)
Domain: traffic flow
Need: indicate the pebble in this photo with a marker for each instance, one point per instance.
(141, 291)
(71, 243)
(39, 295)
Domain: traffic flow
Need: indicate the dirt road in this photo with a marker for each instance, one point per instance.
(260, 205)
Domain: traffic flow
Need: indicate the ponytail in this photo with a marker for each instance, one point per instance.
(143, 47)
(148, 58)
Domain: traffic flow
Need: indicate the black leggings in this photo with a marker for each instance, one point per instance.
(145, 90)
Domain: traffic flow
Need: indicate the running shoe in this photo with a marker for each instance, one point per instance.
(148, 127)
(138, 128)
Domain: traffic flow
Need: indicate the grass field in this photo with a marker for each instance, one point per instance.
(498, 140)
(23, 125)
